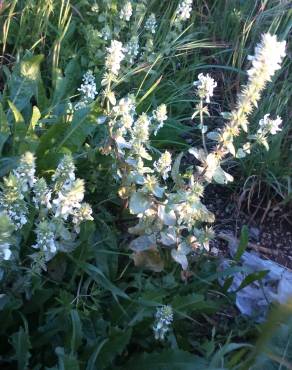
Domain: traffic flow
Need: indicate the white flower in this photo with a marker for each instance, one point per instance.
(42, 194)
(45, 240)
(95, 8)
(132, 49)
(65, 171)
(69, 199)
(12, 200)
(125, 107)
(268, 57)
(88, 87)
(84, 213)
(140, 130)
(126, 12)
(160, 114)
(163, 321)
(205, 86)
(150, 24)
(5, 252)
(163, 165)
(25, 172)
(115, 54)
(184, 10)
(268, 125)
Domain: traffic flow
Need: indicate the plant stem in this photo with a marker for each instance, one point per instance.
(202, 127)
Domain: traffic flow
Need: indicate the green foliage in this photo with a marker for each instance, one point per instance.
(93, 308)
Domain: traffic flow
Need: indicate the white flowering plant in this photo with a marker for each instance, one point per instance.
(133, 91)
(172, 214)
(58, 211)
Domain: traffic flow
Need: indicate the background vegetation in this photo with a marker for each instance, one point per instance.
(93, 309)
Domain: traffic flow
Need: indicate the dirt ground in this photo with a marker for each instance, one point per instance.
(270, 226)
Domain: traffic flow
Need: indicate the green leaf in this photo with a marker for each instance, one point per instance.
(36, 115)
(175, 174)
(19, 128)
(4, 128)
(76, 337)
(101, 279)
(227, 348)
(21, 344)
(91, 365)
(115, 345)
(25, 81)
(187, 303)
(78, 130)
(66, 85)
(242, 243)
(66, 362)
(7, 164)
(166, 360)
(258, 275)
(50, 138)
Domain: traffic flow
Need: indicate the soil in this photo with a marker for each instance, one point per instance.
(270, 227)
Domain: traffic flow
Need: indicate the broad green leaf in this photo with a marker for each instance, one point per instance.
(25, 82)
(50, 138)
(78, 130)
(7, 164)
(66, 84)
(30, 67)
